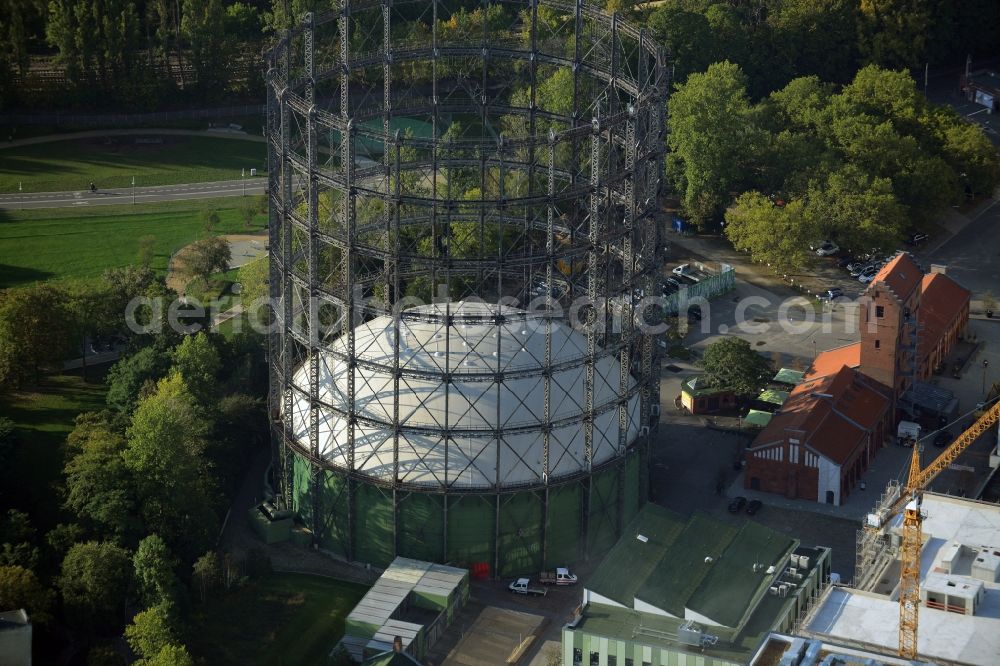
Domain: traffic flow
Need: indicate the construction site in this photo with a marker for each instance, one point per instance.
(928, 568)
(462, 230)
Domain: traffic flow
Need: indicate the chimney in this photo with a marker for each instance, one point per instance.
(397, 644)
(939, 268)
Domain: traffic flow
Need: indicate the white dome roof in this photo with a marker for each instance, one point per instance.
(476, 406)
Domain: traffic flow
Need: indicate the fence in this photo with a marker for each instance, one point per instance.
(707, 288)
(128, 119)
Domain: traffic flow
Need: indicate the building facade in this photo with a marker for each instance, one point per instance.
(827, 433)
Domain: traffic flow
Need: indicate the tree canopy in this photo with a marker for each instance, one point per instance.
(731, 363)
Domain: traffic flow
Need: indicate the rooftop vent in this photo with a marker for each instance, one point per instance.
(642, 538)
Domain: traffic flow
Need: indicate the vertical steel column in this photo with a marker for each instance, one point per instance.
(628, 311)
(390, 262)
(550, 241)
(288, 287)
(312, 207)
(592, 323)
(574, 166)
(529, 210)
(347, 258)
(275, 349)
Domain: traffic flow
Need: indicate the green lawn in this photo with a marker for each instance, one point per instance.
(74, 243)
(44, 416)
(284, 618)
(74, 164)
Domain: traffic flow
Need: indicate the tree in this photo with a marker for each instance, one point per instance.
(169, 655)
(197, 361)
(20, 588)
(207, 574)
(151, 630)
(210, 220)
(154, 571)
(127, 377)
(16, 19)
(8, 443)
(859, 212)
(253, 277)
(710, 139)
(688, 37)
(94, 583)
(731, 363)
(99, 488)
(774, 235)
(35, 332)
(17, 540)
(207, 256)
(203, 27)
(893, 33)
(165, 454)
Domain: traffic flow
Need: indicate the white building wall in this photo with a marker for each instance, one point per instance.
(701, 619)
(591, 597)
(829, 479)
(641, 605)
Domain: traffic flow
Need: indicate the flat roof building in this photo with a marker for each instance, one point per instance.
(677, 590)
(960, 601)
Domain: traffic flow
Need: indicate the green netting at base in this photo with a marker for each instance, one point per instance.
(421, 526)
(520, 547)
(470, 529)
(333, 528)
(564, 525)
(603, 526)
(374, 529)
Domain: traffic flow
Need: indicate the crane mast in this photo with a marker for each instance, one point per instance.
(918, 480)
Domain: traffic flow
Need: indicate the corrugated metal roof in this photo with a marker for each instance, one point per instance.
(480, 404)
(755, 417)
(773, 396)
(788, 376)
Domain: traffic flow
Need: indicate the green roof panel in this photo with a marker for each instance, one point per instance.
(682, 568)
(773, 396)
(757, 418)
(631, 561)
(729, 589)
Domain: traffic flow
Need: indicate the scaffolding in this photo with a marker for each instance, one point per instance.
(424, 156)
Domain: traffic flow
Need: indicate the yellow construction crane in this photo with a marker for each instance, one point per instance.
(910, 501)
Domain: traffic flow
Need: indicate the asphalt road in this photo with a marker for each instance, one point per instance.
(123, 195)
(973, 254)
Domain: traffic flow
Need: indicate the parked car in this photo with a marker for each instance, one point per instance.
(737, 503)
(943, 439)
(827, 249)
(868, 274)
(754, 506)
(831, 294)
(522, 586)
(857, 268)
(916, 239)
(561, 576)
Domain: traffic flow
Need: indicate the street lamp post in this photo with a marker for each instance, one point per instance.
(244, 177)
(133, 190)
(986, 364)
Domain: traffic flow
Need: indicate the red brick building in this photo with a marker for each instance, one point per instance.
(827, 432)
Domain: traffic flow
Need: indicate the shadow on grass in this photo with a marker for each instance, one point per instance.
(12, 276)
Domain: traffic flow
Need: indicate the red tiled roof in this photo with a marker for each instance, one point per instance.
(834, 413)
(941, 301)
(832, 360)
(901, 275)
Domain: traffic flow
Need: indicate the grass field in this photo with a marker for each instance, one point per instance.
(284, 618)
(44, 416)
(73, 243)
(73, 165)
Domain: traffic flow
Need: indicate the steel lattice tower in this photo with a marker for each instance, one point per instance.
(463, 203)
